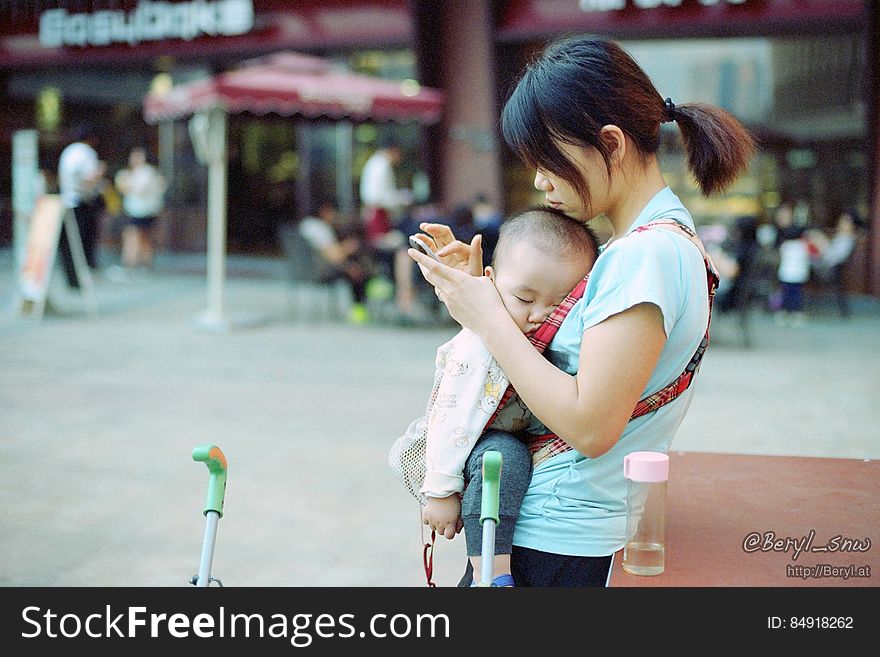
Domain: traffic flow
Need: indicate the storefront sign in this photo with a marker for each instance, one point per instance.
(526, 19)
(149, 21)
(45, 227)
(140, 30)
(610, 5)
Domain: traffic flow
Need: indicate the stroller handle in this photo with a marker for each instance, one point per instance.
(491, 484)
(213, 457)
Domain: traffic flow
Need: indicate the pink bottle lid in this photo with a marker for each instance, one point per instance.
(646, 466)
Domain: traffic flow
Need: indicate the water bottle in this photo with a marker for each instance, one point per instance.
(644, 552)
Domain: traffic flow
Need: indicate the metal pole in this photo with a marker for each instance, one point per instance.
(166, 150)
(489, 517)
(487, 563)
(213, 317)
(215, 460)
(208, 548)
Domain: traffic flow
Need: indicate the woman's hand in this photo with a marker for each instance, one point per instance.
(465, 257)
(472, 301)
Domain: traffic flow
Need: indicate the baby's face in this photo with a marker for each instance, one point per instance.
(532, 283)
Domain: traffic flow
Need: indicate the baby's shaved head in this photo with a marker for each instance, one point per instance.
(553, 232)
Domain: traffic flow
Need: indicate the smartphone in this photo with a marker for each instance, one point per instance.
(419, 245)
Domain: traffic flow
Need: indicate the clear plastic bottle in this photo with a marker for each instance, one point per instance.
(644, 552)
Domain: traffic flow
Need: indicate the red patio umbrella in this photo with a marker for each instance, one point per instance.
(288, 84)
(292, 83)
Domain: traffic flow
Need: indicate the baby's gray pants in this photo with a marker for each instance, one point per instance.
(516, 472)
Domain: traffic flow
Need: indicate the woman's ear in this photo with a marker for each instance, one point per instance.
(615, 142)
(488, 271)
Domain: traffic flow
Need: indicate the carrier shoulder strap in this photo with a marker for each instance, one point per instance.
(548, 445)
(664, 396)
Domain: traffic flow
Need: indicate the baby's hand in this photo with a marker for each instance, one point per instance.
(443, 515)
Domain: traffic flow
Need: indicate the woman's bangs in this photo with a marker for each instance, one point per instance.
(525, 130)
(521, 126)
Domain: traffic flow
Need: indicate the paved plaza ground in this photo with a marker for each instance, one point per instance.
(99, 415)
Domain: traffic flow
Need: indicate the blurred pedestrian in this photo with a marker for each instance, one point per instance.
(381, 198)
(794, 266)
(80, 176)
(345, 258)
(836, 253)
(742, 249)
(385, 209)
(143, 197)
(461, 222)
(487, 222)
(413, 297)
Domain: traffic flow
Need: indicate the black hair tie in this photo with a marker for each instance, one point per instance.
(670, 111)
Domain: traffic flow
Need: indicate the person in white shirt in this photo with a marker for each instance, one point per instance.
(794, 266)
(80, 174)
(383, 204)
(381, 198)
(143, 196)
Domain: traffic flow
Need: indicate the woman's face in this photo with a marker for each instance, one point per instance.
(562, 195)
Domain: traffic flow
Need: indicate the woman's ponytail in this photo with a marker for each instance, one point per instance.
(718, 147)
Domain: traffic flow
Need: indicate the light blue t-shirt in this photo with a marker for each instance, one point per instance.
(577, 505)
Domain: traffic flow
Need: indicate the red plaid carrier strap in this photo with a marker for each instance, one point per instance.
(546, 446)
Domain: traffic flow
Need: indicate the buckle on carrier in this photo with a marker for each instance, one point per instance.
(698, 356)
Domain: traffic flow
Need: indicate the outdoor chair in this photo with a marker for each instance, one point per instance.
(315, 292)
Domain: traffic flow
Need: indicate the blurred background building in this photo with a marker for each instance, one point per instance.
(801, 74)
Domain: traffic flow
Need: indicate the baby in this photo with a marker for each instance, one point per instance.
(541, 255)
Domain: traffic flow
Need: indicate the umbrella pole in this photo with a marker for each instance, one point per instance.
(213, 317)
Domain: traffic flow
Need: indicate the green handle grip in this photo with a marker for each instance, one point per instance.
(491, 485)
(213, 457)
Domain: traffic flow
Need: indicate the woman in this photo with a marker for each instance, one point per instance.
(588, 119)
(143, 195)
(743, 251)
